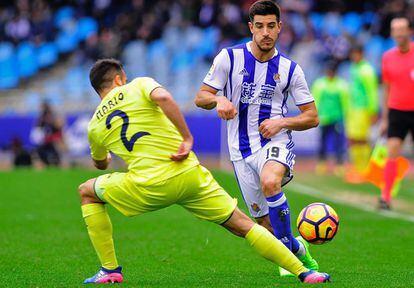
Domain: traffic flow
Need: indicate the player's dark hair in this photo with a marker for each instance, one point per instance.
(264, 7)
(357, 48)
(332, 65)
(103, 72)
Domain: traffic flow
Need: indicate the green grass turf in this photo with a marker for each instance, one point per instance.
(330, 181)
(44, 243)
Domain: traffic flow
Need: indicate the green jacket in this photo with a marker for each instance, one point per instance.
(331, 99)
(364, 87)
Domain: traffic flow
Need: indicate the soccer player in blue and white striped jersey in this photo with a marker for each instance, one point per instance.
(257, 80)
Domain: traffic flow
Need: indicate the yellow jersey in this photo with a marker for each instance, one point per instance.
(129, 124)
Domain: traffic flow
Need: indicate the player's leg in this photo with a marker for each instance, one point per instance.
(270, 248)
(322, 167)
(275, 171)
(205, 199)
(248, 181)
(398, 128)
(279, 213)
(265, 222)
(390, 171)
(99, 228)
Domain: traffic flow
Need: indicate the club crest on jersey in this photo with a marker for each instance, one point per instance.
(276, 77)
(255, 207)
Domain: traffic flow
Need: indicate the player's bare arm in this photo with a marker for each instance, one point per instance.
(207, 99)
(308, 118)
(166, 102)
(102, 164)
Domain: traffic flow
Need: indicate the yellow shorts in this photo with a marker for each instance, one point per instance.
(196, 190)
(358, 124)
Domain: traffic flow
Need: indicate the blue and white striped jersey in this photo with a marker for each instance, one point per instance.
(259, 91)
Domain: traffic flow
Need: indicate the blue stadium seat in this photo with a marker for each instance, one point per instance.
(331, 24)
(373, 49)
(47, 54)
(158, 62)
(9, 76)
(316, 20)
(87, 26)
(66, 41)
(134, 57)
(62, 15)
(27, 60)
(352, 23)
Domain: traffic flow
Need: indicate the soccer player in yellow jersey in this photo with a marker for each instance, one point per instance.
(141, 123)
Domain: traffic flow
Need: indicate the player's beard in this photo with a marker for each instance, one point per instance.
(267, 48)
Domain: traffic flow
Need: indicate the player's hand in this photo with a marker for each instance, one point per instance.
(270, 127)
(183, 151)
(108, 158)
(225, 109)
(384, 127)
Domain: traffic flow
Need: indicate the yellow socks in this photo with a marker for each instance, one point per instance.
(100, 232)
(359, 156)
(272, 249)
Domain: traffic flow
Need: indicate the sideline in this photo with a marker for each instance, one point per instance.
(310, 191)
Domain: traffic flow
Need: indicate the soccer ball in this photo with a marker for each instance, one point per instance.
(318, 223)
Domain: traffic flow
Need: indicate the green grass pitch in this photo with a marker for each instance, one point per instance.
(44, 243)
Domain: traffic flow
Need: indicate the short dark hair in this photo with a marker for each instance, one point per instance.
(103, 72)
(264, 7)
(357, 48)
(332, 65)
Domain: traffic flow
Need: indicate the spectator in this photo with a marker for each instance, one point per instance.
(21, 157)
(331, 97)
(362, 113)
(51, 130)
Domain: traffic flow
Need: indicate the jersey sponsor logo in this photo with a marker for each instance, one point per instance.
(264, 97)
(244, 72)
(255, 207)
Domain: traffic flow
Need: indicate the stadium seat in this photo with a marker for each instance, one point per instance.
(62, 15)
(134, 57)
(86, 27)
(47, 54)
(66, 42)
(352, 23)
(9, 77)
(331, 24)
(27, 61)
(158, 59)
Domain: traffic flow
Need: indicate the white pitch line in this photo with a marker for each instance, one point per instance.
(305, 189)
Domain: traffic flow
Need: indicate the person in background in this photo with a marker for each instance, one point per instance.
(21, 157)
(51, 129)
(362, 113)
(398, 106)
(331, 96)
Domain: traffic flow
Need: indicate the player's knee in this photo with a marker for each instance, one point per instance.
(239, 224)
(83, 190)
(86, 192)
(271, 185)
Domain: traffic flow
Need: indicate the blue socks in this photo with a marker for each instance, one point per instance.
(279, 214)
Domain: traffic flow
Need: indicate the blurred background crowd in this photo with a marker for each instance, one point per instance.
(47, 48)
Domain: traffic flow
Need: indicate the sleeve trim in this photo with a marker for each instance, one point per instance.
(209, 85)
